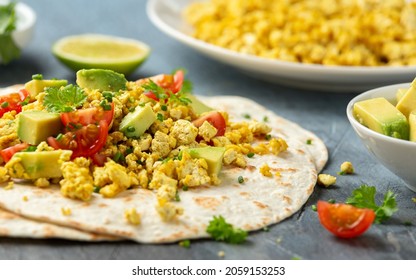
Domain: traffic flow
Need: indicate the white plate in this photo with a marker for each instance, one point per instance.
(167, 16)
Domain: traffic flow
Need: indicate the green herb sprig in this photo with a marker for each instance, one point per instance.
(220, 230)
(8, 48)
(65, 99)
(364, 197)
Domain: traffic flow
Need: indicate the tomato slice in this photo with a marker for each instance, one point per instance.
(88, 116)
(172, 83)
(84, 141)
(215, 119)
(344, 220)
(8, 153)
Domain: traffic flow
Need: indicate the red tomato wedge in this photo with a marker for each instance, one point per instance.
(215, 119)
(84, 141)
(172, 83)
(7, 153)
(344, 220)
(12, 101)
(88, 116)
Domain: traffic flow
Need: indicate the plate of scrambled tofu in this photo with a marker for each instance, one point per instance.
(338, 46)
(147, 161)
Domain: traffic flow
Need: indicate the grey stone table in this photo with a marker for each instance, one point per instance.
(300, 236)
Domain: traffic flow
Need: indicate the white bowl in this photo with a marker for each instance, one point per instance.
(397, 155)
(25, 24)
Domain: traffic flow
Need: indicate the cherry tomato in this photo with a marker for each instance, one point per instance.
(88, 116)
(344, 220)
(84, 141)
(7, 153)
(172, 83)
(12, 102)
(215, 119)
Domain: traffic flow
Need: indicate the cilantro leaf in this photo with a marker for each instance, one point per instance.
(220, 230)
(65, 99)
(8, 48)
(158, 91)
(364, 197)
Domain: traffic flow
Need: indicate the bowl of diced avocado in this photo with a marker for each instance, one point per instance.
(385, 120)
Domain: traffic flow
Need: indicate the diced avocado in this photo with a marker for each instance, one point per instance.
(213, 156)
(45, 164)
(400, 93)
(36, 86)
(34, 127)
(412, 124)
(380, 115)
(408, 102)
(135, 123)
(197, 105)
(101, 79)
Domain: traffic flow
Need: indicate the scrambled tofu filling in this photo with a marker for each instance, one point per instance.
(160, 159)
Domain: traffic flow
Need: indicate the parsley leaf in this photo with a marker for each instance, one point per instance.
(364, 197)
(8, 48)
(220, 230)
(65, 99)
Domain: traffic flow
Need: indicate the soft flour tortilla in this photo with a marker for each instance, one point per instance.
(13, 225)
(258, 202)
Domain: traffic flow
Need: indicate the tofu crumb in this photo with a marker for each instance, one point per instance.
(265, 170)
(221, 254)
(132, 216)
(326, 180)
(346, 168)
(278, 240)
(66, 211)
(9, 186)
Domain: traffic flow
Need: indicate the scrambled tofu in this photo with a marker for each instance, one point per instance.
(163, 158)
(329, 32)
(326, 180)
(113, 178)
(77, 181)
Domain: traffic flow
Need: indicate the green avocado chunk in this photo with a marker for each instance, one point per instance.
(44, 164)
(212, 155)
(34, 127)
(380, 115)
(101, 79)
(135, 123)
(36, 86)
(197, 105)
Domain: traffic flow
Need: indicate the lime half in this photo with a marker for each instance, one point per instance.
(101, 51)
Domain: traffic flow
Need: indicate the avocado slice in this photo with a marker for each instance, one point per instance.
(135, 123)
(412, 124)
(212, 155)
(400, 93)
(34, 127)
(197, 105)
(380, 115)
(34, 87)
(408, 102)
(44, 164)
(101, 79)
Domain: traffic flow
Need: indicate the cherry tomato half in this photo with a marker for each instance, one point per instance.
(172, 83)
(344, 220)
(215, 119)
(7, 153)
(84, 141)
(88, 116)
(12, 101)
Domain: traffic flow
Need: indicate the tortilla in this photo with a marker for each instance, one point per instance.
(258, 202)
(13, 225)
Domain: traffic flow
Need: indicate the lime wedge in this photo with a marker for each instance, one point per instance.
(101, 51)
